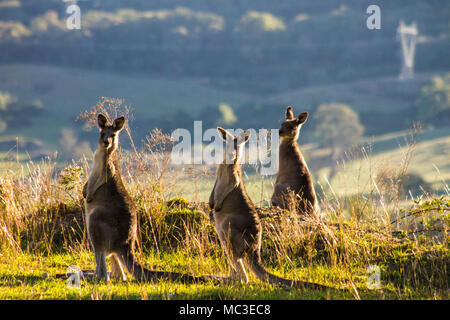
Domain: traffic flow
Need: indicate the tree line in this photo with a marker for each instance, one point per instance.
(264, 47)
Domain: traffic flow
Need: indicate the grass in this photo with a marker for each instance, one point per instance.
(361, 95)
(42, 233)
(21, 276)
(47, 235)
(20, 284)
(431, 160)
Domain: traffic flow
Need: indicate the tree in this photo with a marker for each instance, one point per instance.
(2, 125)
(338, 128)
(228, 116)
(5, 100)
(68, 143)
(434, 101)
(15, 114)
(72, 148)
(260, 22)
(222, 115)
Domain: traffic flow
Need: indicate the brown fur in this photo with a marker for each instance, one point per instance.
(237, 222)
(293, 184)
(110, 213)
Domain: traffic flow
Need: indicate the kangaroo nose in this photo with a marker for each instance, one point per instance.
(107, 142)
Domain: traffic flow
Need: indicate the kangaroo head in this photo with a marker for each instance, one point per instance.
(290, 128)
(109, 133)
(234, 145)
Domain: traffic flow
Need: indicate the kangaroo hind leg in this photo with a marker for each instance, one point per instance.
(279, 195)
(117, 268)
(100, 265)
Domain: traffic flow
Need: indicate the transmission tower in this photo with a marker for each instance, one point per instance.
(408, 37)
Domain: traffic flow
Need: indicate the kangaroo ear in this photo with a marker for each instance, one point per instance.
(289, 113)
(224, 133)
(101, 121)
(119, 123)
(302, 117)
(244, 136)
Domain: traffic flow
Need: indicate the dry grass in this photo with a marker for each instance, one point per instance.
(41, 213)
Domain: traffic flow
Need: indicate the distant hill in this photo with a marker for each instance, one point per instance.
(259, 46)
(66, 92)
(383, 104)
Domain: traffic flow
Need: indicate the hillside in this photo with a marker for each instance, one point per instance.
(258, 46)
(430, 160)
(66, 92)
(155, 100)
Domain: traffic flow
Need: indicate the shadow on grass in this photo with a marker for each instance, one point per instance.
(155, 276)
(20, 280)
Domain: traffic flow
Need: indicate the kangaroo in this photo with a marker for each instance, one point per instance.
(236, 220)
(293, 181)
(110, 213)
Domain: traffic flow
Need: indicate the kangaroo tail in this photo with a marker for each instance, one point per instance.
(144, 274)
(254, 262)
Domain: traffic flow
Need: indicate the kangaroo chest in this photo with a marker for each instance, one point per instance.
(101, 170)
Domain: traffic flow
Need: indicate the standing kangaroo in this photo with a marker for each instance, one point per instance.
(110, 213)
(236, 220)
(293, 183)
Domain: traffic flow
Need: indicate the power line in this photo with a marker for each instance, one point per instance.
(408, 38)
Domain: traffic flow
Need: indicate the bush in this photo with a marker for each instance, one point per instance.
(413, 183)
(434, 101)
(338, 126)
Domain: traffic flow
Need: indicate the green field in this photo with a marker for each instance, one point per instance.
(375, 95)
(35, 260)
(22, 278)
(42, 231)
(66, 92)
(430, 160)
